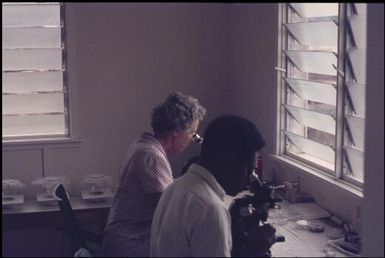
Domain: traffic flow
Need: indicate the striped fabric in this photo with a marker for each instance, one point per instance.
(145, 171)
(192, 219)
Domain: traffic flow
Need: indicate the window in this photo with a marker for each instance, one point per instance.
(34, 90)
(322, 97)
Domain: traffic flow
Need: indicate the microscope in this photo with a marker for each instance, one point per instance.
(248, 213)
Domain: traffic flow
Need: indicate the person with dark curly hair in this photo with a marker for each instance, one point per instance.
(145, 174)
(192, 218)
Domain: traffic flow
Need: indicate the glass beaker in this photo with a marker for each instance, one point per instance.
(49, 182)
(11, 188)
(6, 191)
(95, 184)
(278, 216)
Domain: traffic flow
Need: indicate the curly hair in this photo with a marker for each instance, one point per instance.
(176, 113)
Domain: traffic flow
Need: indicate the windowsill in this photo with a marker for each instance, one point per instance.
(318, 174)
(40, 143)
(319, 162)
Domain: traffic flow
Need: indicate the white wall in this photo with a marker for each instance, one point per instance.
(253, 56)
(373, 204)
(123, 59)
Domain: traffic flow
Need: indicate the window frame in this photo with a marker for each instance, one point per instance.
(281, 153)
(71, 133)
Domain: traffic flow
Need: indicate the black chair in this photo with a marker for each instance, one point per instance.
(77, 235)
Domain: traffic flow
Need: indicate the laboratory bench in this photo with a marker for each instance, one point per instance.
(298, 243)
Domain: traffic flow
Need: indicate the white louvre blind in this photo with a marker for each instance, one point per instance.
(311, 82)
(34, 95)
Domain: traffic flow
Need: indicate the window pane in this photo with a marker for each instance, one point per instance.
(321, 136)
(357, 65)
(32, 14)
(307, 146)
(34, 125)
(357, 96)
(325, 38)
(31, 37)
(355, 160)
(32, 59)
(33, 103)
(313, 119)
(319, 92)
(357, 25)
(357, 128)
(322, 108)
(314, 62)
(22, 82)
(359, 8)
(310, 10)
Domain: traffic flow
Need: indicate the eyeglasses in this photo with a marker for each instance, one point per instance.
(197, 138)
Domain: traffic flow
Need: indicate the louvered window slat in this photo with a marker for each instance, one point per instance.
(314, 148)
(357, 26)
(31, 37)
(356, 126)
(357, 65)
(356, 94)
(33, 125)
(33, 103)
(314, 61)
(314, 91)
(355, 163)
(31, 14)
(24, 82)
(326, 36)
(311, 10)
(317, 120)
(32, 59)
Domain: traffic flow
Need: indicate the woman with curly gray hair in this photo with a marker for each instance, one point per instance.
(145, 174)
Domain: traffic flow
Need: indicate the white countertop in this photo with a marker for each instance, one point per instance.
(299, 243)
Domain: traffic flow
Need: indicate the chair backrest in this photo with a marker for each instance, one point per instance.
(71, 224)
